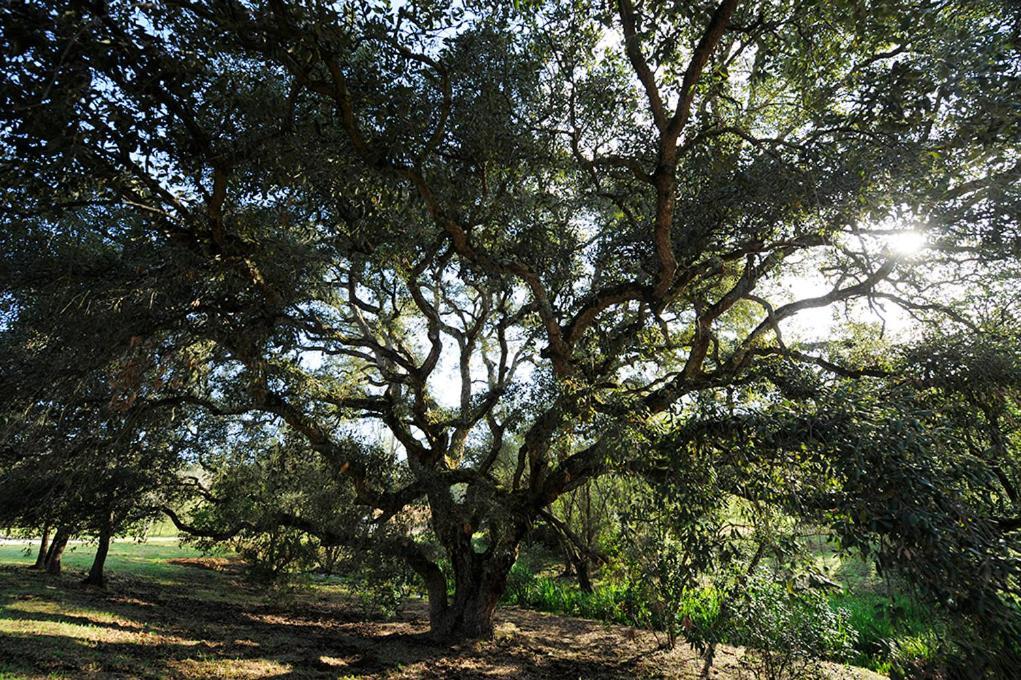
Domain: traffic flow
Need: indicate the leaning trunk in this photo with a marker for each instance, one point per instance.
(56, 551)
(96, 576)
(40, 558)
(576, 565)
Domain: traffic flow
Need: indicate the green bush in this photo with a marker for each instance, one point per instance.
(882, 622)
(788, 632)
(919, 656)
(613, 602)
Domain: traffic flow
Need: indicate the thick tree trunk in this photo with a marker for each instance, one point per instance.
(469, 614)
(480, 576)
(469, 618)
(96, 576)
(56, 551)
(480, 579)
(44, 544)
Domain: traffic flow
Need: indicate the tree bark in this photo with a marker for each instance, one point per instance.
(479, 584)
(581, 569)
(480, 577)
(435, 585)
(576, 566)
(96, 575)
(56, 551)
(44, 544)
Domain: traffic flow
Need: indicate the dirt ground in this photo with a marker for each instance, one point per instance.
(205, 623)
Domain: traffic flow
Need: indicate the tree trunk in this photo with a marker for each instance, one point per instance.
(576, 565)
(56, 551)
(40, 559)
(96, 576)
(480, 579)
(480, 575)
(581, 569)
(469, 614)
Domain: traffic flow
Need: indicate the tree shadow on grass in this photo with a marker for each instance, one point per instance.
(167, 631)
(139, 628)
(69, 619)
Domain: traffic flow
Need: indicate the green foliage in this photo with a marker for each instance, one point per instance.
(382, 585)
(788, 632)
(672, 538)
(887, 633)
(919, 656)
(885, 623)
(615, 601)
(287, 514)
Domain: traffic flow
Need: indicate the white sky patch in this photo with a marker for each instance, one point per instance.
(311, 360)
(445, 380)
(611, 41)
(806, 280)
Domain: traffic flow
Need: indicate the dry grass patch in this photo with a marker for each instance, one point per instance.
(228, 668)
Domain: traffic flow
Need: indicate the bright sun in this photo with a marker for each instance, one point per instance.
(906, 243)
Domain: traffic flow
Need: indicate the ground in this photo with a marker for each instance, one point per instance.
(170, 614)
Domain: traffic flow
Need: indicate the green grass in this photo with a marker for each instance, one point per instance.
(162, 528)
(146, 559)
(887, 626)
(157, 619)
(198, 622)
(132, 560)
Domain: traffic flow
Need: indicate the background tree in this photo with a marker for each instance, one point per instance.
(87, 450)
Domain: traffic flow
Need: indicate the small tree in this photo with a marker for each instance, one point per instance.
(289, 515)
(101, 463)
(787, 633)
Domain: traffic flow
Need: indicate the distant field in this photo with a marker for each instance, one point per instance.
(138, 559)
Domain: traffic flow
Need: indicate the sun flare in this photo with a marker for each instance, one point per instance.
(906, 243)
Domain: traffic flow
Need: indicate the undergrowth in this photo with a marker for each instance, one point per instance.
(888, 633)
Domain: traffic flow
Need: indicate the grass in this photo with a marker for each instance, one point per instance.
(888, 626)
(158, 619)
(55, 623)
(162, 617)
(143, 559)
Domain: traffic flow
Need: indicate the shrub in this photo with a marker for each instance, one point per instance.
(615, 602)
(919, 656)
(381, 584)
(788, 632)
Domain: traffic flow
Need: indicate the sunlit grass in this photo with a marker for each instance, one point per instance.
(148, 559)
(158, 618)
(88, 632)
(36, 607)
(229, 668)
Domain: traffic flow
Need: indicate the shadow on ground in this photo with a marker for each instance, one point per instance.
(207, 623)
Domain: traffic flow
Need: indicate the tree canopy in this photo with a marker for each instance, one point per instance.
(471, 256)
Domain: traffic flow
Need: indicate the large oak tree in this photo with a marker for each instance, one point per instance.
(532, 243)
